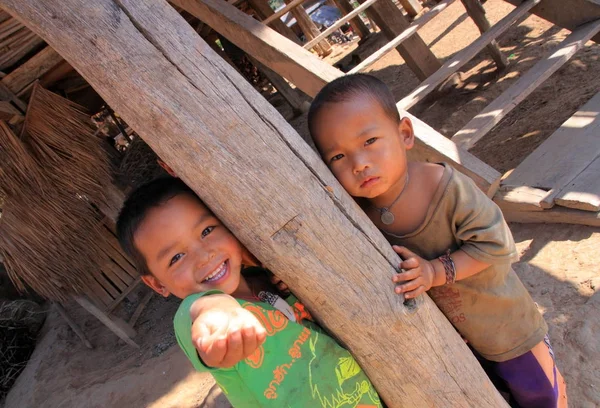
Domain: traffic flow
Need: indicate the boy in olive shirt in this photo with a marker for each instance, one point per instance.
(464, 246)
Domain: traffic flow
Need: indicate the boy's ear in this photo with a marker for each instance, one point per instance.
(155, 285)
(407, 133)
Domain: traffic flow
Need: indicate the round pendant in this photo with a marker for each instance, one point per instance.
(387, 217)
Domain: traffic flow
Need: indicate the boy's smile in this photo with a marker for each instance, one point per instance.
(364, 147)
(188, 250)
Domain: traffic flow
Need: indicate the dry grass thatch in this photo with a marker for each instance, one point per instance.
(49, 228)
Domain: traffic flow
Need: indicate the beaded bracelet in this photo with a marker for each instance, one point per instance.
(449, 268)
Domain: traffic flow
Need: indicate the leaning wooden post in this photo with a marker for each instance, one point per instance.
(359, 27)
(309, 29)
(263, 10)
(267, 185)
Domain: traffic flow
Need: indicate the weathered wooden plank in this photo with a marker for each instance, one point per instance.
(31, 70)
(433, 147)
(464, 56)
(417, 24)
(191, 107)
(115, 324)
(414, 51)
(520, 198)
(557, 215)
(297, 65)
(338, 24)
(476, 11)
(583, 193)
(564, 155)
(276, 15)
(264, 11)
(8, 111)
(412, 7)
(61, 310)
(112, 306)
(138, 310)
(569, 16)
(485, 121)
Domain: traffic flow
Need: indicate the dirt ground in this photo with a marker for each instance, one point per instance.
(558, 262)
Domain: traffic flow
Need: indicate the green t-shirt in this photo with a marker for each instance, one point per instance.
(297, 366)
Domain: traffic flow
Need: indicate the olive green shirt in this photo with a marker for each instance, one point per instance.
(491, 309)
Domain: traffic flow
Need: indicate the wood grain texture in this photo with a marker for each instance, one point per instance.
(557, 215)
(247, 163)
(520, 198)
(264, 11)
(32, 69)
(359, 27)
(564, 155)
(583, 193)
(485, 121)
(462, 57)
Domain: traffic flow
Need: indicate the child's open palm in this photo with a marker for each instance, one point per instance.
(224, 333)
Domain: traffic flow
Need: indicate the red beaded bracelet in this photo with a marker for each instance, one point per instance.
(449, 268)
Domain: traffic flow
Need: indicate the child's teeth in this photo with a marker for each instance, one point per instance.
(217, 273)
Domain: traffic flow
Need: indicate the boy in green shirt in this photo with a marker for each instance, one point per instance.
(263, 350)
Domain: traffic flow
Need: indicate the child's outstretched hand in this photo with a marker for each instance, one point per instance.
(419, 274)
(223, 332)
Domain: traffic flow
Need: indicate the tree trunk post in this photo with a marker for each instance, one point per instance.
(255, 172)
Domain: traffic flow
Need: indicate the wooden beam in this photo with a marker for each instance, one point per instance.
(277, 15)
(417, 24)
(583, 193)
(569, 16)
(412, 7)
(338, 24)
(358, 26)
(564, 155)
(138, 311)
(557, 215)
(485, 121)
(32, 69)
(115, 324)
(310, 30)
(310, 74)
(191, 107)
(476, 11)
(264, 11)
(413, 50)
(8, 111)
(520, 198)
(464, 56)
(295, 64)
(61, 310)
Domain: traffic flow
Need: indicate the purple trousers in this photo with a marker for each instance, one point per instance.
(524, 380)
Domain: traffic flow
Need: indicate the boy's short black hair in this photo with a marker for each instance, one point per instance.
(348, 86)
(136, 208)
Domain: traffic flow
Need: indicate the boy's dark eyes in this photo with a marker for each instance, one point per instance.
(207, 231)
(370, 141)
(336, 157)
(176, 258)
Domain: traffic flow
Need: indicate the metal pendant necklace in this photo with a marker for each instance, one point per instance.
(387, 217)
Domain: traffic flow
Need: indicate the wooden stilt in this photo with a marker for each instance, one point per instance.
(412, 7)
(61, 310)
(116, 325)
(413, 50)
(358, 26)
(265, 11)
(309, 29)
(138, 311)
(476, 11)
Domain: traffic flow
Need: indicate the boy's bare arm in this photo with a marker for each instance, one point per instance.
(421, 274)
(223, 332)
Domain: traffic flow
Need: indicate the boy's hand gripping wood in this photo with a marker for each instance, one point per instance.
(265, 183)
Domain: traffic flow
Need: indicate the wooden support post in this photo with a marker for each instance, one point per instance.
(309, 29)
(264, 11)
(412, 7)
(279, 13)
(338, 24)
(173, 86)
(116, 325)
(358, 26)
(76, 329)
(310, 74)
(138, 310)
(476, 11)
(413, 50)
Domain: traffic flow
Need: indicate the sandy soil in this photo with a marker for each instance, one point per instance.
(558, 265)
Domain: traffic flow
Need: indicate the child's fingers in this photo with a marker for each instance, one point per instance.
(408, 274)
(235, 349)
(250, 340)
(404, 252)
(414, 293)
(215, 352)
(409, 286)
(200, 335)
